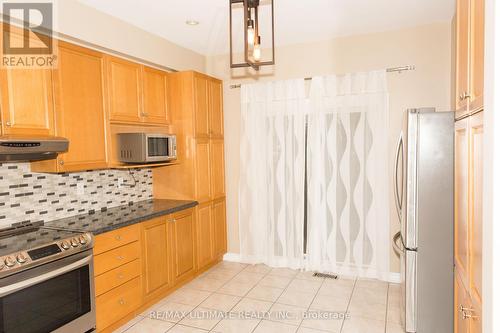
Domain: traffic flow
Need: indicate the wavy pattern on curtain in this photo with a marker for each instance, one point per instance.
(272, 172)
(348, 178)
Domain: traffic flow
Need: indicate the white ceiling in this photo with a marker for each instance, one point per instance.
(296, 21)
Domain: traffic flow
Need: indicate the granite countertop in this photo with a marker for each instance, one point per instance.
(118, 217)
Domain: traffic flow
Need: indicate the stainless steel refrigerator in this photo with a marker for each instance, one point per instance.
(423, 191)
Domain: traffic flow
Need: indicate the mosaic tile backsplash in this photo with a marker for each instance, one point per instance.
(27, 197)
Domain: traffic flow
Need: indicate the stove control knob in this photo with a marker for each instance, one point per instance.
(21, 258)
(65, 245)
(82, 240)
(10, 261)
(74, 242)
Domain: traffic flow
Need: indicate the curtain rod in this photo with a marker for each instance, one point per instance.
(388, 70)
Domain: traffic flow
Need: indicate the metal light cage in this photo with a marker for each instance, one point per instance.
(248, 6)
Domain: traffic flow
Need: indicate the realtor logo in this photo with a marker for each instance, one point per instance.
(27, 35)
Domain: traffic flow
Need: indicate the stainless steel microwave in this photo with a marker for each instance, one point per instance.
(146, 147)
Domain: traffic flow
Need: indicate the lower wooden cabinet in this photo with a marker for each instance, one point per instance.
(137, 265)
(156, 255)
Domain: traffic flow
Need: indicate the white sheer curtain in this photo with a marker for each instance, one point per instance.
(272, 172)
(348, 178)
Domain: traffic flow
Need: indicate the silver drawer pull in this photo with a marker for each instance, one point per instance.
(121, 301)
(119, 257)
(118, 237)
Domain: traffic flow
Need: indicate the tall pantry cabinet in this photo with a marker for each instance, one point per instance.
(469, 165)
(197, 112)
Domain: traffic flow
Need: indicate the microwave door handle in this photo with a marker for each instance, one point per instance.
(12, 288)
(397, 197)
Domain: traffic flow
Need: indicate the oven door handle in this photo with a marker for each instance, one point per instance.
(12, 288)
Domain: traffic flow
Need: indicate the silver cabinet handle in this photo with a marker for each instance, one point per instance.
(399, 250)
(8, 124)
(397, 197)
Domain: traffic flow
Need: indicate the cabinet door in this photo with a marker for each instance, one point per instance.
(203, 170)
(80, 108)
(477, 55)
(216, 114)
(475, 207)
(155, 96)
(461, 198)
(205, 237)
(462, 56)
(462, 323)
(219, 223)
(27, 107)
(155, 255)
(184, 244)
(124, 84)
(201, 107)
(217, 168)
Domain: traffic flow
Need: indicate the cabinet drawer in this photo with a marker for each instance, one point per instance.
(115, 258)
(115, 277)
(113, 239)
(117, 303)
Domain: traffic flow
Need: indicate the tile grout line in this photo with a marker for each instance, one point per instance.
(309, 307)
(348, 304)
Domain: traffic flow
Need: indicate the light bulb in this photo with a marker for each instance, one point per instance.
(256, 50)
(251, 35)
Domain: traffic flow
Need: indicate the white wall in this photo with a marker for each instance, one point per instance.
(427, 47)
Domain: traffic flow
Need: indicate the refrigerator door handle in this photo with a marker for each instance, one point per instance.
(397, 196)
(395, 244)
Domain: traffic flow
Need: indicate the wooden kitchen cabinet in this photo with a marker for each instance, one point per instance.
(219, 225)
(469, 221)
(462, 301)
(124, 80)
(469, 57)
(203, 170)
(156, 255)
(205, 235)
(80, 111)
(184, 244)
(155, 97)
(215, 110)
(217, 178)
(201, 98)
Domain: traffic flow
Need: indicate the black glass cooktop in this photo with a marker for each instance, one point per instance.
(13, 240)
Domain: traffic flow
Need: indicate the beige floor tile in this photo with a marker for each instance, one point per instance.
(269, 294)
(329, 303)
(171, 311)
(229, 265)
(394, 328)
(236, 325)
(368, 310)
(185, 329)
(393, 314)
(308, 275)
(148, 325)
(275, 281)
(248, 277)
(287, 314)
(129, 324)
(306, 286)
(205, 283)
(293, 297)
(202, 318)
(220, 274)
(336, 290)
(303, 329)
(266, 326)
(235, 288)
(220, 302)
(252, 305)
(372, 284)
(371, 296)
(285, 272)
(260, 268)
(324, 321)
(188, 296)
(362, 325)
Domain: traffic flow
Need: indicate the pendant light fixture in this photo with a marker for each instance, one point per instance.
(252, 35)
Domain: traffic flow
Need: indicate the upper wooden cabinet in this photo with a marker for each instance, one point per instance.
(469, 56)
(124, 90)
(202, 120)
(215, 111)
(155, 96)
(80, 114)
(27, 102)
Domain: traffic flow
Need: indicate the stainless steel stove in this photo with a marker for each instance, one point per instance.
(46, 280)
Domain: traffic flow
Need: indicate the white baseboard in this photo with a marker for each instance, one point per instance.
(392, 277)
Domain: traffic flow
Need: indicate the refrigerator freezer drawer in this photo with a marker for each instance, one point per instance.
(409, 290)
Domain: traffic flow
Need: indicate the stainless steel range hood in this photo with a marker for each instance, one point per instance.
(21, 148)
